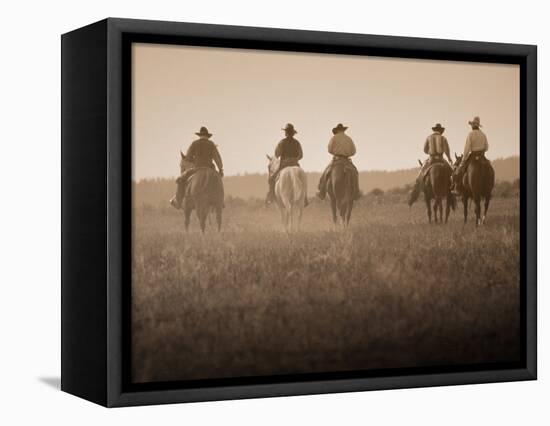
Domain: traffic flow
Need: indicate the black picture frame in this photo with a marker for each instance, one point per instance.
(96, 196)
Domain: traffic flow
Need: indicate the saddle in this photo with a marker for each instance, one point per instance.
(433, 161)
(186, 175)
(288, 162)
(344, 161)
(478, 156)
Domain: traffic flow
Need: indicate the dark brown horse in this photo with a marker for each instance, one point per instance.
(436, 188)
(203, 193)
(340, 189)
(478, 181)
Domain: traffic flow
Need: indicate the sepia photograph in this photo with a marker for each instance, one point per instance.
(298, 213)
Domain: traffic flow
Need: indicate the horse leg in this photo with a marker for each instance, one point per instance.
(201, 215)
(465, 203)
(333, 208)
(429, 209)
(219, 217)
(348, 215)
(296, 211)
(290, 219)
(487, 202)
(298, 215)
(342, 209)
(477, 200)
(447, 209)
(187, 213)
(282, 210)
(286, 218)
(212, 211)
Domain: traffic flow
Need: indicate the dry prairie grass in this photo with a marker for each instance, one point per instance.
(391, 291)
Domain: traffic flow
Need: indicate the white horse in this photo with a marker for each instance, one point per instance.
(290, 193)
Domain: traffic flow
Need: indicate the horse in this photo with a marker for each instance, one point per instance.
(340, 189)
(203, 193)
(436, 188)
(478, 181)
(290, 193)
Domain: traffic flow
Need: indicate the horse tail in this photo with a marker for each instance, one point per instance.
(300, 186)
(284, 188)
(440, 180)
(296, 189)
(481, 178)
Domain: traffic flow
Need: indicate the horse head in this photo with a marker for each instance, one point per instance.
(458, 160)
(185, 163)
(273, 164)
(415, 191)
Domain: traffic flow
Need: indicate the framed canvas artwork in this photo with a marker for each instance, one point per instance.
(253, 212)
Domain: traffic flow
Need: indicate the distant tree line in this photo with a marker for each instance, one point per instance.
(377, 186)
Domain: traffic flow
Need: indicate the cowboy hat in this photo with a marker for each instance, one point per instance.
(204, 132)
(476, 121)
(339, 128)
(438, 128)
(289, 128)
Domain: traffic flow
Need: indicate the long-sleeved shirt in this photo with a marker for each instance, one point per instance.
(476, 141)
(289, 148)
(202, 152)
(436, 144)
(342, 145)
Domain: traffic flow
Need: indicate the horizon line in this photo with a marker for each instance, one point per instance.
(315, 171)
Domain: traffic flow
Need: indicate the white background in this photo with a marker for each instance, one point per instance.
(30, 211)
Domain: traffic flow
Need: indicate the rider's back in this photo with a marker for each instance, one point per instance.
(475, 142)
(289, 148)
(202, 152)
(341, 145)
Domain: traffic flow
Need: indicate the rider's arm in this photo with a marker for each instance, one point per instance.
(217, 158)
(427, 146)
(447, 150)
(485, 143)
(331, 146)
(279, 149)
(191, 152)
(300, 152)
(467, 146)
(353, 150)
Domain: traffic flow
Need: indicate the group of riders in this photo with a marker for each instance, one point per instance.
(436, 147)
(204, 153)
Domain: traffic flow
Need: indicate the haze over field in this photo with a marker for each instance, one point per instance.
(156, 192)
(391, 291)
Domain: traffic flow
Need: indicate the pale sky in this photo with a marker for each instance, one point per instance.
(245, 97)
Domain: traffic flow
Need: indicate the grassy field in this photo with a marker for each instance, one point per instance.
(391, 291)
